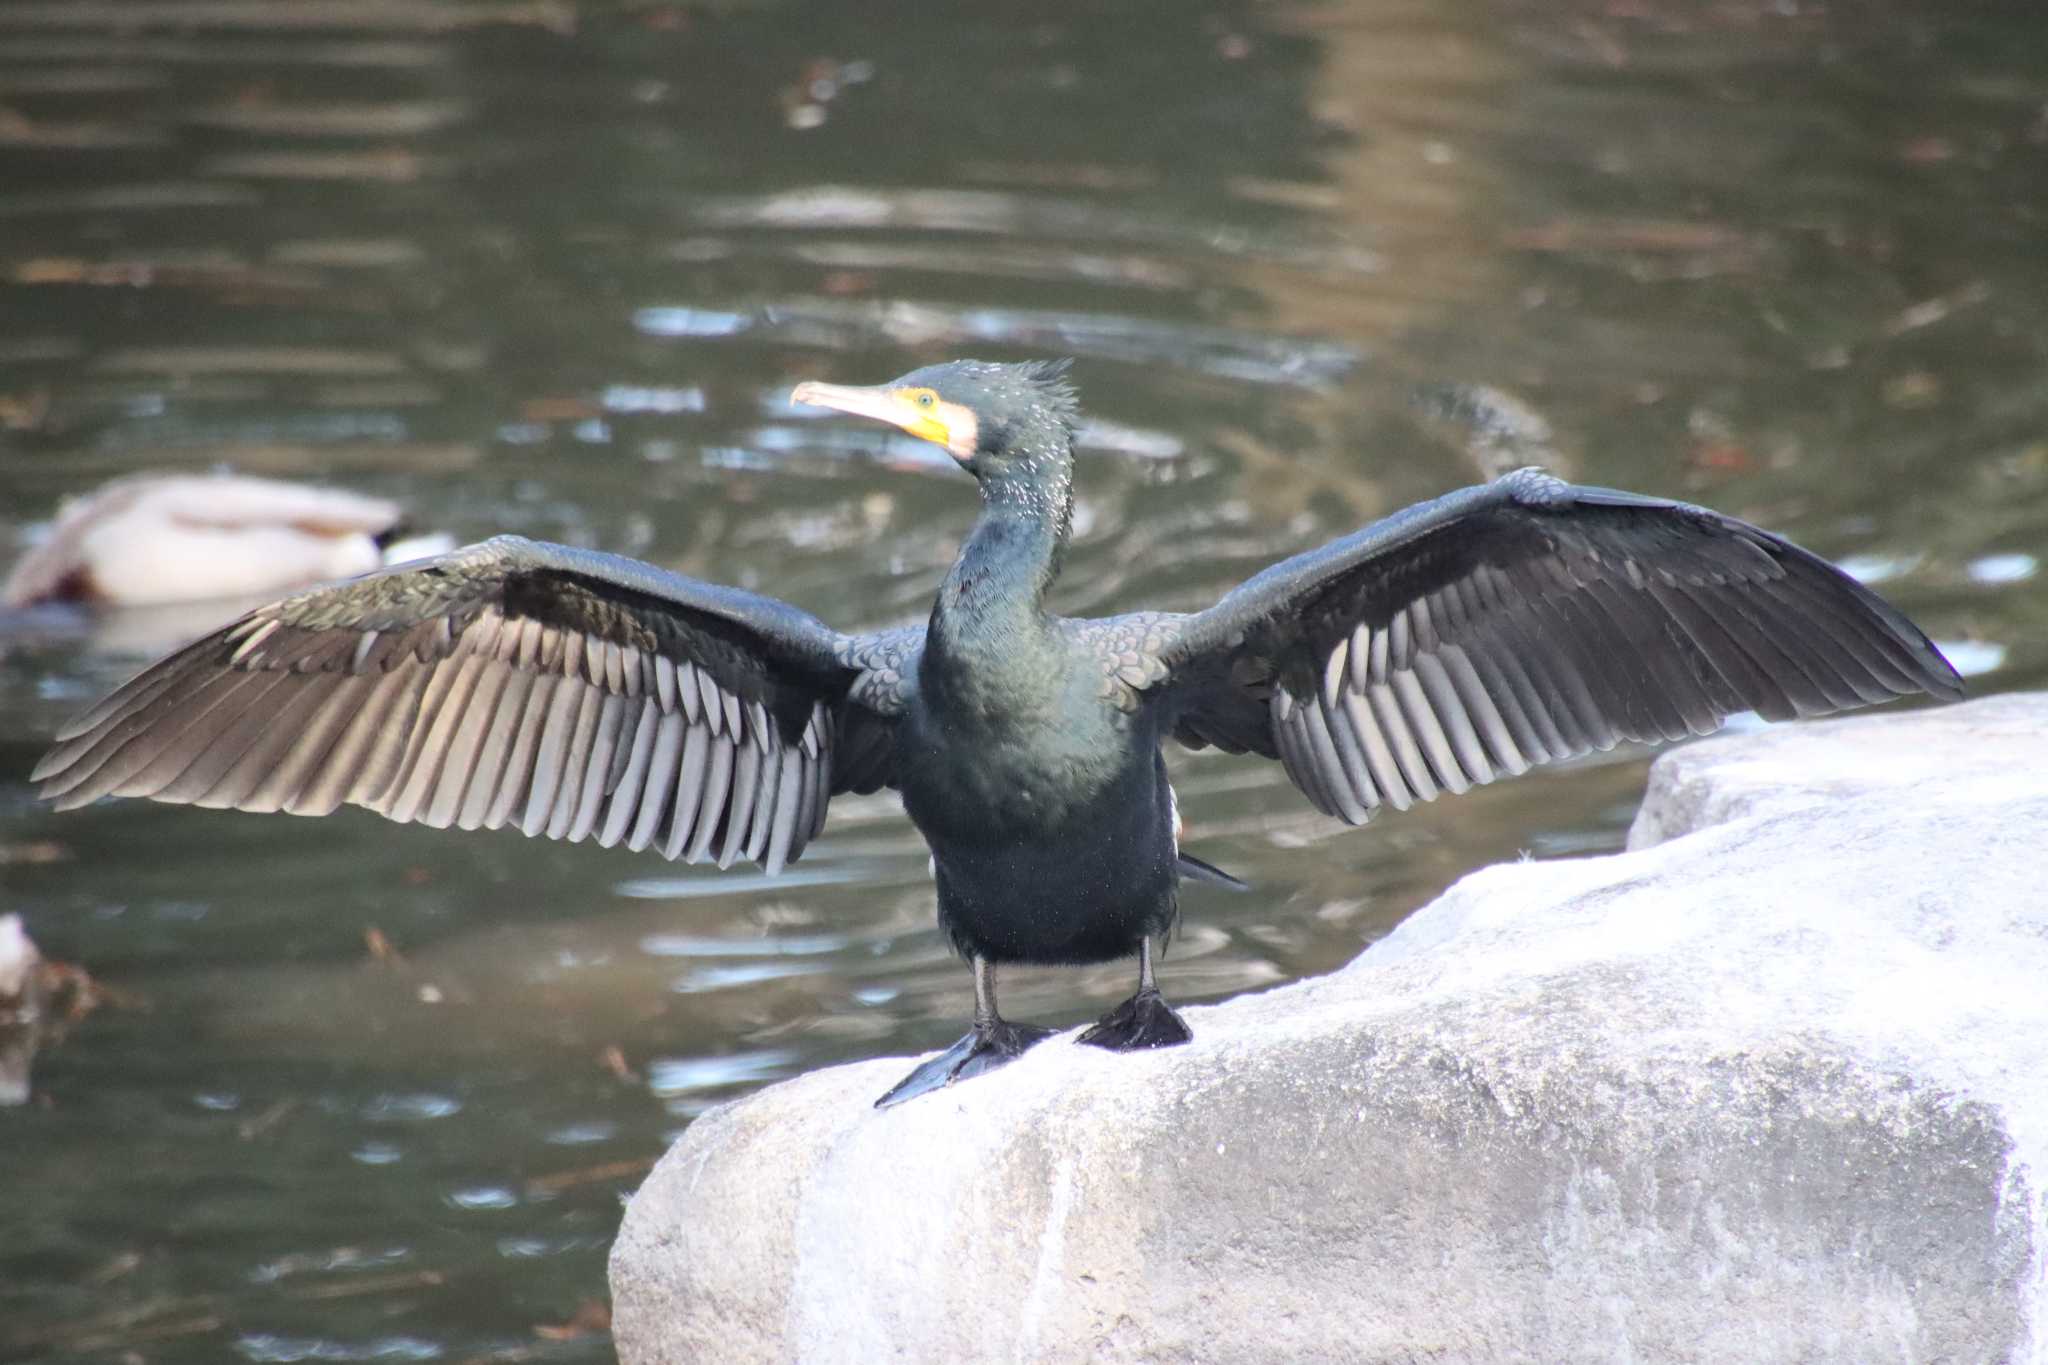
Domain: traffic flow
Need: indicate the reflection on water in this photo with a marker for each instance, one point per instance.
(371, 1092)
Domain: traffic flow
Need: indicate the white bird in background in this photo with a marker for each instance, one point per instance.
(155, 539)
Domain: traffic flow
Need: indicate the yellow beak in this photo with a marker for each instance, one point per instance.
(884, 405)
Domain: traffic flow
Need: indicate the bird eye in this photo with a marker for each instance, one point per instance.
(925, 399)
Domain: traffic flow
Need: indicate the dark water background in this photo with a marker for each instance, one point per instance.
(552, 267)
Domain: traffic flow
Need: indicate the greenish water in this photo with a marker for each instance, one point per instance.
(553, 268)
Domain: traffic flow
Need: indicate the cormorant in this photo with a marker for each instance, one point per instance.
(579, 694)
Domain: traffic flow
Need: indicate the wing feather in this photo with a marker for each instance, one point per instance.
(630, 787)
(749, 762)
(1504, 626)
(713, 812)
(497, 741)
(571, 694)
(690, 784)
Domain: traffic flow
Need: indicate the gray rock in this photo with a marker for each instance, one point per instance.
(1773, 1090)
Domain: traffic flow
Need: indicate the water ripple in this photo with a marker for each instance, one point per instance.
(1973, 657)
(415, 1108)
(2007, 568)
(673, 1077)
(734, 883)
(752, 973)
(482, 1197)
(847, 207)
(690, 945)
(1256, 357)
(262, 1346)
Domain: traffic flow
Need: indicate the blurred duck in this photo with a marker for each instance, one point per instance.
(155, 539)
(21, 1008)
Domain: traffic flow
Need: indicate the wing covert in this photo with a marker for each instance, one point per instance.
(886, 661)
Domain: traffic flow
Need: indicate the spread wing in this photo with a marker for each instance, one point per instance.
(1516, 623)
(569, 693)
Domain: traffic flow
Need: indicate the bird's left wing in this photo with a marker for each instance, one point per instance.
(1516, 623)
(569, 693)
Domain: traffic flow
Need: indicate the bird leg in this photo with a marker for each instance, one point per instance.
(993, 1042)
(1143, 1021)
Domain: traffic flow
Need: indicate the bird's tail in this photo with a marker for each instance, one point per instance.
(1194, 868)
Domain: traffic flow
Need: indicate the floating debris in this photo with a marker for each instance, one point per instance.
(591, 1318)
(381, 950)
(589, 1175)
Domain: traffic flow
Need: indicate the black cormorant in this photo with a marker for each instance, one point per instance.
(582, 695)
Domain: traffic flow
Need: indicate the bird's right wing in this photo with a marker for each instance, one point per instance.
(565, 692)
(887, 664)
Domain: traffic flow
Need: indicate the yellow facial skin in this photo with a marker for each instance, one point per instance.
(921, 412)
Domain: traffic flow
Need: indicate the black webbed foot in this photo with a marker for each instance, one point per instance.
(1145, 1020)
(989, 1046)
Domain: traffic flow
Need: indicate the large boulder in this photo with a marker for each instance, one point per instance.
(1772, 1085)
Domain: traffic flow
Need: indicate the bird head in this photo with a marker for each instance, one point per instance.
(991, 418)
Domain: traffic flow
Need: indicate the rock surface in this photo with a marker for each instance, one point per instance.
(1773, 1090)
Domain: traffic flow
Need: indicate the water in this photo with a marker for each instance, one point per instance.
(553, 268)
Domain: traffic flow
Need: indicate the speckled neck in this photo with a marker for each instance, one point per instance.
(1027, 509)
(990, 614)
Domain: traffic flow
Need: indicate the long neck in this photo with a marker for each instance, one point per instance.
(990, 614)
